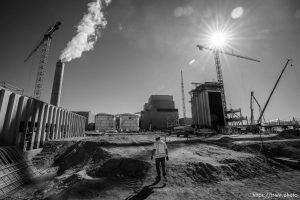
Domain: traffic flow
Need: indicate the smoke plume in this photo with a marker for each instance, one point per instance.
(88, 31)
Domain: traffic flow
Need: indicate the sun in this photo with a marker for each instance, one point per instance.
(218, 39)
(219, 34)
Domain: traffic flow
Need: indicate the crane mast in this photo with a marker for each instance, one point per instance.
(183, 100)
(41, 69)
(45, 44)
(219, 70)
(220, 78)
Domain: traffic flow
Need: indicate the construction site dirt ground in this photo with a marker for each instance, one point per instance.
(119, 167)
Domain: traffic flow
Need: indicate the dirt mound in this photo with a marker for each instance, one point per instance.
(243, 148)
(289, 149)
(87, 170)
(81, 154)
(289, 134)
(122, 167)
(230, 169)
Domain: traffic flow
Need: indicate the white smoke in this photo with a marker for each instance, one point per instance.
(87, 31)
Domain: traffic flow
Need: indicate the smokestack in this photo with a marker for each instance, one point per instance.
(57, 83)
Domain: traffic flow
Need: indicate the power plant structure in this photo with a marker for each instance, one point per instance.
(57, 83)
(159, 113)
(216, 52)
(27, 122)
(206, 104)
(235, 117)
(34, 132)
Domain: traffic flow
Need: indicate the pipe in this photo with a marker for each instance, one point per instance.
(57, 83)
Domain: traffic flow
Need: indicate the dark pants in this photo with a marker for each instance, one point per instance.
(158, 162)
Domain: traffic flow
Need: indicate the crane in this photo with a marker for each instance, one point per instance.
(252, 98)
(216, 52)
(266, 104)
(45, 43)
(183, 101)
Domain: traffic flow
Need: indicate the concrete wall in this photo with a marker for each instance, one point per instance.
(200, 109)
(28, 122)
(90, 118)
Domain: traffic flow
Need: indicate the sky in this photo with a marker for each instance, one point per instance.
(145, 45)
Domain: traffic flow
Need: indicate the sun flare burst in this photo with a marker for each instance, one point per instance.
(218, 39)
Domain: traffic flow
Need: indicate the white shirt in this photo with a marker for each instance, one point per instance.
(160, 149)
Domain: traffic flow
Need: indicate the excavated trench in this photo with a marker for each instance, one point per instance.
(122, 167)
(86, 169)
(101, 163)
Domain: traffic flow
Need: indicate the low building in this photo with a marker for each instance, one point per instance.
(105, 122)
(90, 119)
(159, 113)
(128, 122)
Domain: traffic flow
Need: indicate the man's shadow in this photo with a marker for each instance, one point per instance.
(146, 191)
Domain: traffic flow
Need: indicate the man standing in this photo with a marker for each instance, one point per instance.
(160, 153)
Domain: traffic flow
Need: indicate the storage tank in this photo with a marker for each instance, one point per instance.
(207, 108)
(104, 122)
(129, 122)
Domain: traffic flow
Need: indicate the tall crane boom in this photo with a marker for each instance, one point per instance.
(201, 47)
(44, 42)
(183, 100)
(277, 81)
(219, 70)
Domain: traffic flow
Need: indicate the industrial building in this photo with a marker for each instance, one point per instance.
(159, 113)
(207, 108)
(104, 122)
(27, 122)
(90, 119)
(57, 83)
(128, 122)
